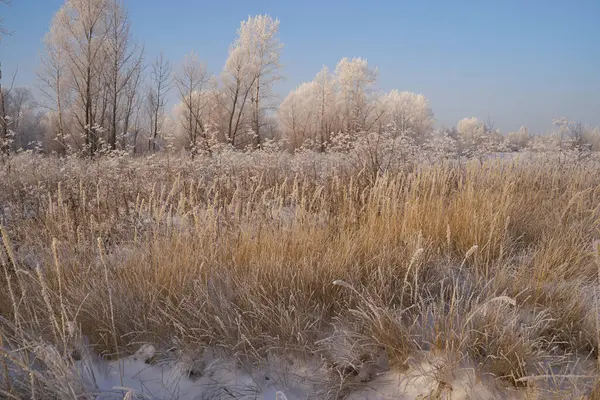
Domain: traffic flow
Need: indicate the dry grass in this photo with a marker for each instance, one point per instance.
(493, 262)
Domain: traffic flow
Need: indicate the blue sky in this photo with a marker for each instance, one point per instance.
(519, 62)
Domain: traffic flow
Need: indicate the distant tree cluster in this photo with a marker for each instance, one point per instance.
(100, 96)
(345, 102)
(90, 75)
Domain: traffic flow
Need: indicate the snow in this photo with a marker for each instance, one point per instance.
(184, 378)
(145, 376)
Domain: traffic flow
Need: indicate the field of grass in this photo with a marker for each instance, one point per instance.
(487, 268)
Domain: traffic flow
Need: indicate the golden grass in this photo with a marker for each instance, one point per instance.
(132, 251)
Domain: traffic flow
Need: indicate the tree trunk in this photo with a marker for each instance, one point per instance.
(4, 130)
(61, 132)
(88, 114)
(112, 140)
(230, 134)
(256, 114)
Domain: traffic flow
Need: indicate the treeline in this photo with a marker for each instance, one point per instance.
(101, 94)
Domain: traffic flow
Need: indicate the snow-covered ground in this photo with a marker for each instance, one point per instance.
(146, 375)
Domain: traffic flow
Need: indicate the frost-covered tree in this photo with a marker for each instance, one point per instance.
(250, 71)
(132, 99)
(238, 81)
(572, 135)
(27, 127)
(159, 87)
(192, 84)
(472, 135)
(347, 103)
(517, 141)
(592, 138)
(5, 119)
(408, 114)
(81, 28)
(259, 37)
(355, 81)
(324, 86)
(55, 84)
(308, 113)
(198, 121)
(471, 129)
(477, 138)
(20, 118)
(88, 63)
(343, 102)
(124, 58)
(299, 115)
(442, 144)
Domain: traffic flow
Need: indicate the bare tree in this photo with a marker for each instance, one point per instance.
(191, 83)
(3, 121)
(355, 80)
(298, 115)
(259, 36)
(253, 66)
(82, 26)
(123, 59)
(136, 124)
(238, 80)
(24, 116)
(324, 84)
(19, 100)
(160, 84)
(89, 61)
(132, 100)
(55, 85)
(407, 114)
(4, 117)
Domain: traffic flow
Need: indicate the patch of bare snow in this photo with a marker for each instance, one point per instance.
(146, 375)
(210, 377)
(426, 381)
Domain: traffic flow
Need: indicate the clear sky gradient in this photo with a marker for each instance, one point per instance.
(520, 62)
